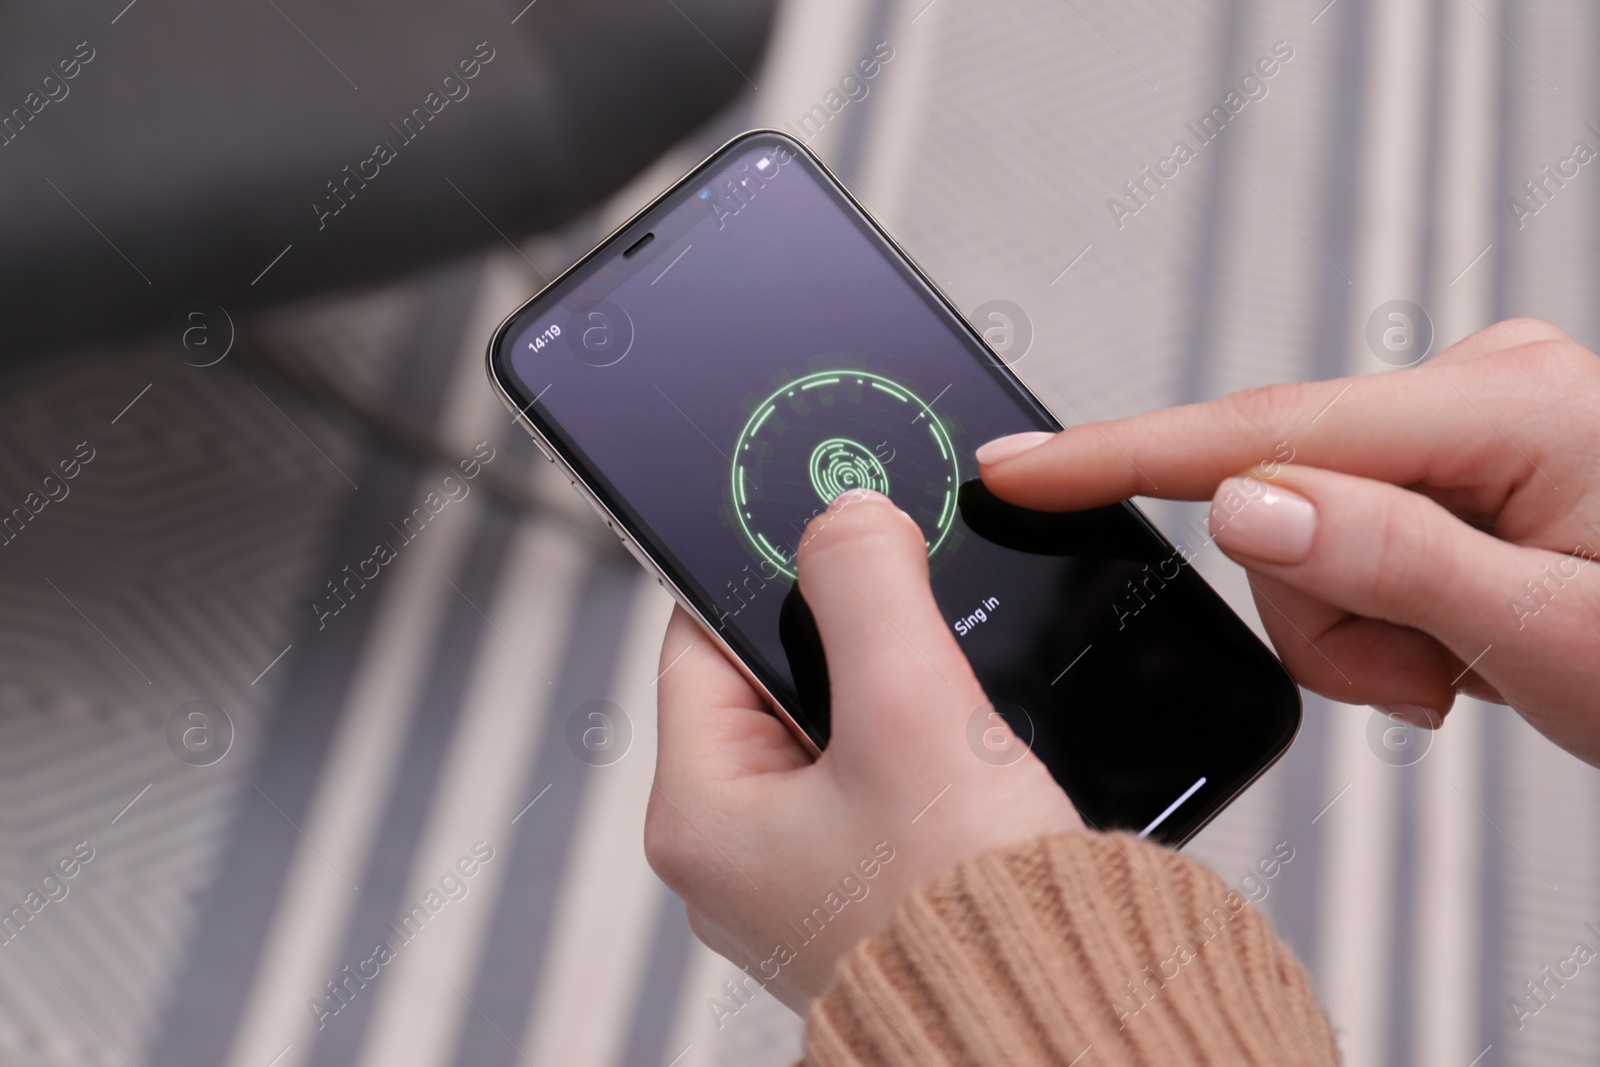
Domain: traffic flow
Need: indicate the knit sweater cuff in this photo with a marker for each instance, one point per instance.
(1037, 953)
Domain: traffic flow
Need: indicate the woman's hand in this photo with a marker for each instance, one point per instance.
(1407, 535)
(786, 863)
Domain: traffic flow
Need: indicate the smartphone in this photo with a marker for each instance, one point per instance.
(753, 344)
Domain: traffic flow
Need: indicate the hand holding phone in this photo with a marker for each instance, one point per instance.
(786, 862)
(750, 347)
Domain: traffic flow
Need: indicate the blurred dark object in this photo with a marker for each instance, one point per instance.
(160, 155)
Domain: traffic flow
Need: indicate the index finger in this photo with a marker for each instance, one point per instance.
(1404, 427)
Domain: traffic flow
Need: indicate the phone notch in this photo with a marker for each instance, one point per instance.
(637, 245)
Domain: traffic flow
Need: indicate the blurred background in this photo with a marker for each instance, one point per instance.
(266, 335)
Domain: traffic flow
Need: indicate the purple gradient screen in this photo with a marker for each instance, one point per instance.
(771, 283)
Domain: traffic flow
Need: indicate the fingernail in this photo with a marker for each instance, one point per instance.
(1005, 447)
(1413, 714)
(1253, 518)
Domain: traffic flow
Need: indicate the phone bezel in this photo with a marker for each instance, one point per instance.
(506, 385)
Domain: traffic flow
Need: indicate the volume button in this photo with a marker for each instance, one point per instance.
(644, 561)
(634, 551)
(521, 415)
(594, 504)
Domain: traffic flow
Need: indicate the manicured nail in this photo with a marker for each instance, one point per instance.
(1253, 518)
(1005, 447)
(1414, 714)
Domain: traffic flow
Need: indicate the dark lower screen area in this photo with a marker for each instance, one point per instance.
(1118, 666)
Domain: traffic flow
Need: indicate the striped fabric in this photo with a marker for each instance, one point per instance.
(402, 770)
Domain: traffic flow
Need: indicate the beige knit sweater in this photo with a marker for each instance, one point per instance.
(1081, 949)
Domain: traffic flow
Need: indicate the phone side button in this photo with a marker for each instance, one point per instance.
(644, 560)
(518, 415)
(593, 504)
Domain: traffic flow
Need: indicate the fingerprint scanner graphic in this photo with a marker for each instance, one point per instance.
(839, 465)
(824, 434)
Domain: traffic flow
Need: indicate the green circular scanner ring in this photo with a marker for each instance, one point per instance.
(827, 433)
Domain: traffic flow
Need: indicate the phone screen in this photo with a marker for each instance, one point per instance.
(752, 346)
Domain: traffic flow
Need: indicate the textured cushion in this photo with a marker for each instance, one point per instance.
(193, 141)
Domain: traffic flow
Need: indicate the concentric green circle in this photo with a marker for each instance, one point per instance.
(832, 431)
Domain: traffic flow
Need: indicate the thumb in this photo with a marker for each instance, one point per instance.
(1381, 552)
(863, 570)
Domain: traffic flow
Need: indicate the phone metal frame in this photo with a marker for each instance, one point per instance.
(553, 454)
(642, 555)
